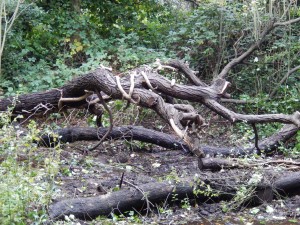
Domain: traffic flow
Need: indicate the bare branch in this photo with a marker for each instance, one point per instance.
(289, 22)
(246, 54)
(237, 101)
(283, 80)
(182, 67)
(236, 117)
(271, 25)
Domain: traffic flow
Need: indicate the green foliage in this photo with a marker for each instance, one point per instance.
(297, 147)
(26, 182)
(51, 42)
(203, 36)
(244, 193)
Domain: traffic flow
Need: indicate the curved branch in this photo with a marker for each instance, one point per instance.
(286, 76)
(289, 22)
(182, 67)
(110, 120)
(271, 25)
(266, 118)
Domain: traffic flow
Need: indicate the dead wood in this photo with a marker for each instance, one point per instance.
(123, 132)
(123, 200)
(160, 192)
(164, 140)
(216, 164)
(288, 185)
(145, 87)
(103, 80)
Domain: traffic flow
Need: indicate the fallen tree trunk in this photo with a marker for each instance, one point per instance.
(124, 132)
(164, 140)
(120, 201)
(145, 88)
(139, 197)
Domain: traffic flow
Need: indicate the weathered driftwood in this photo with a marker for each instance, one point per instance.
(141, 196)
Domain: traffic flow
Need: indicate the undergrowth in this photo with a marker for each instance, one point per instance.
(27, 174)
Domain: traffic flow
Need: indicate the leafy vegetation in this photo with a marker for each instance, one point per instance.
(50, 42)
(27, 174)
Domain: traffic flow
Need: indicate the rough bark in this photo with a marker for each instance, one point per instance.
(120, 201)
(103, 80)
(165, 140)
(136, 197)
(124, 132)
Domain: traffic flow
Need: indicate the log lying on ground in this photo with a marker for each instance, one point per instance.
(158, 192)
(162, 139)
(124, 132)
(275, 140)
(216, 164)
(116, 202)
(136, 133)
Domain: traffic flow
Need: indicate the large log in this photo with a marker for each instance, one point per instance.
(103, 80)
(124, 132)
(139, 197)
(165, 140)
(122, 201)
(136, 133)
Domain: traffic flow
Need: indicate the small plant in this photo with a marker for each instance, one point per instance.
(201, 188)
(244, 193)
(27, 175)
(185, 203)
(173, 176)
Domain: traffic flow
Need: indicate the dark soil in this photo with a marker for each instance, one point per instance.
(98, 172)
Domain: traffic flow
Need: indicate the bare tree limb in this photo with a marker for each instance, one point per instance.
(286, 76)
(289, 22)
(110, 120)
(271, 25)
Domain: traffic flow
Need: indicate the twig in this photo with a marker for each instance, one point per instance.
(237, 42)
(286, 76)
(121, 181)
(256, 139)
(143, 193)
(110, 120)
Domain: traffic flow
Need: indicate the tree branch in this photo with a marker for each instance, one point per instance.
(283, 80)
